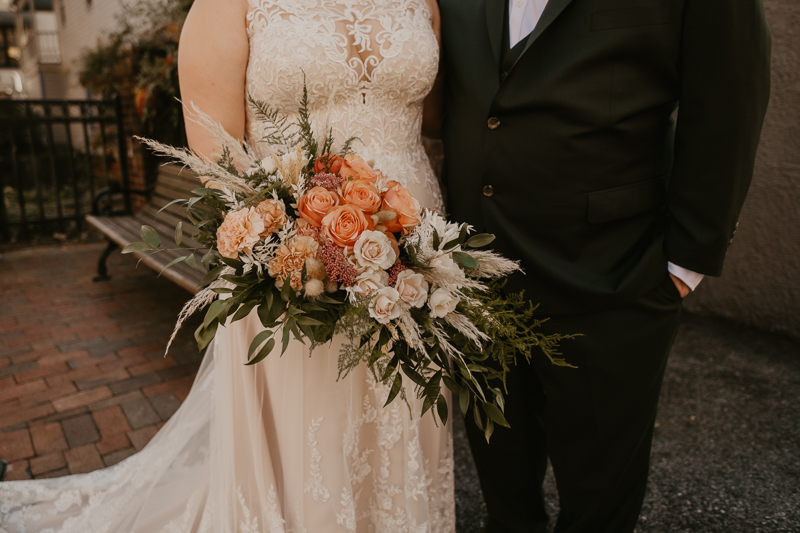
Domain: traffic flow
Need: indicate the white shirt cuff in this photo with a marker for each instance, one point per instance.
(691, 279)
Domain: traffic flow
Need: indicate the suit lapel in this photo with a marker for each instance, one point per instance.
(550, 13)
(495, 13)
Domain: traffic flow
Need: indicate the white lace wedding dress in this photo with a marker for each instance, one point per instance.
(283, 446)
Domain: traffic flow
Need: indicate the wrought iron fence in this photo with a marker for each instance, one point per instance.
(54, 155)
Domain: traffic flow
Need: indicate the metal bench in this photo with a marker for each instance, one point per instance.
(122, 228)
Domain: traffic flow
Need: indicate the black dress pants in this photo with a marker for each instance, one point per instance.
(594, 422)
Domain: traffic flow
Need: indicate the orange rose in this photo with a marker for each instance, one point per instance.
(361, 194)
(400, 201)
(345, 224)
(356, 168)
(315, 204)
(328, 163)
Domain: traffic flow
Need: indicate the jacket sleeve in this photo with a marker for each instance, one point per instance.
(724, 90)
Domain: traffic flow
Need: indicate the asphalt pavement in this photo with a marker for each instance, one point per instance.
(726, 453)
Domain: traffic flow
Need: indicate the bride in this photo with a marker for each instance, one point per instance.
(282, 446)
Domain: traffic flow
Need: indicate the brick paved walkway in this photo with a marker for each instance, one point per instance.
(83, 380)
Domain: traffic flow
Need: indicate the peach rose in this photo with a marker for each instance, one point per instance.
(328, 163)
(239, 232)
(362, 194)
(290, 258)
(400, 201)
(345, 224)
(316, 203)
(356, 168)
(273, 213)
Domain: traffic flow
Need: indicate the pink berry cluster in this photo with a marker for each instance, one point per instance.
(328, 181)
(336, 265)
(394, 271)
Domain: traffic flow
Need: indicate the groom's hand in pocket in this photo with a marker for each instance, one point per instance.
(682, 287)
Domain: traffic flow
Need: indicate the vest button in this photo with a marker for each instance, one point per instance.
(488, 190)
(493, 123)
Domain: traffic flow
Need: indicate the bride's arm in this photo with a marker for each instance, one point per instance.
(212, 59)
(432, 110)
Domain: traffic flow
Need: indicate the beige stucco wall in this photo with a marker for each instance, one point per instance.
(79, 29)
(760, 285)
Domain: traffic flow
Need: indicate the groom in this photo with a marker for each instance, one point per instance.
(560, 139)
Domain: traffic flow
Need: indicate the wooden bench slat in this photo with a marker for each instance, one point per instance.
(172, 183)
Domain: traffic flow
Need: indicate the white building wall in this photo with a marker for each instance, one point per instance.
(80, 28)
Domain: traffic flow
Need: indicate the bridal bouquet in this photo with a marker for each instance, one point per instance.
(317, 242)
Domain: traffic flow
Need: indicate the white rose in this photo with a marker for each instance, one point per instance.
(373, 250)
(442, 303)
(412, 287)
(445, 263)
(368, 283)
(384, 307)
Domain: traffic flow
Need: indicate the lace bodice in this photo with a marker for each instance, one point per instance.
(368, 66)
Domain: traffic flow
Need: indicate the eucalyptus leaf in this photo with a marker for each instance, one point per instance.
(477, 416)
(441, 408)
(137, 247)
(173, 202)
(150, 236)
(308, 321)
(480, 240)
(191, 261)
(213, 311)
(463, 399)
(205, 334)
(211, 276)
(179, 234)
(489, 430)
(495, 414)
(465, 260)
(174, 261)
(396, 386)
(262, 353)
(258, 339)
(244, 310)
(288, 325)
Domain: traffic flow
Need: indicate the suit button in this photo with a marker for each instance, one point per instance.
(503, 76)
(494, 123)
(488, 190)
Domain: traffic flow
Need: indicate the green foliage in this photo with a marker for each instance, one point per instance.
(142, 51)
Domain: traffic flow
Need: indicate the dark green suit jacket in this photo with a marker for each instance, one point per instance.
(572, 158)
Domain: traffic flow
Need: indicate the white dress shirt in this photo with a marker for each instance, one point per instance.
(523, 15)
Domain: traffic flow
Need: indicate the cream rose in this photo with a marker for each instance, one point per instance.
(374, 250)
(239, 232)
(367, 284)
(442, 303)
(412, 287)
(273, 213)
(385, 307)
